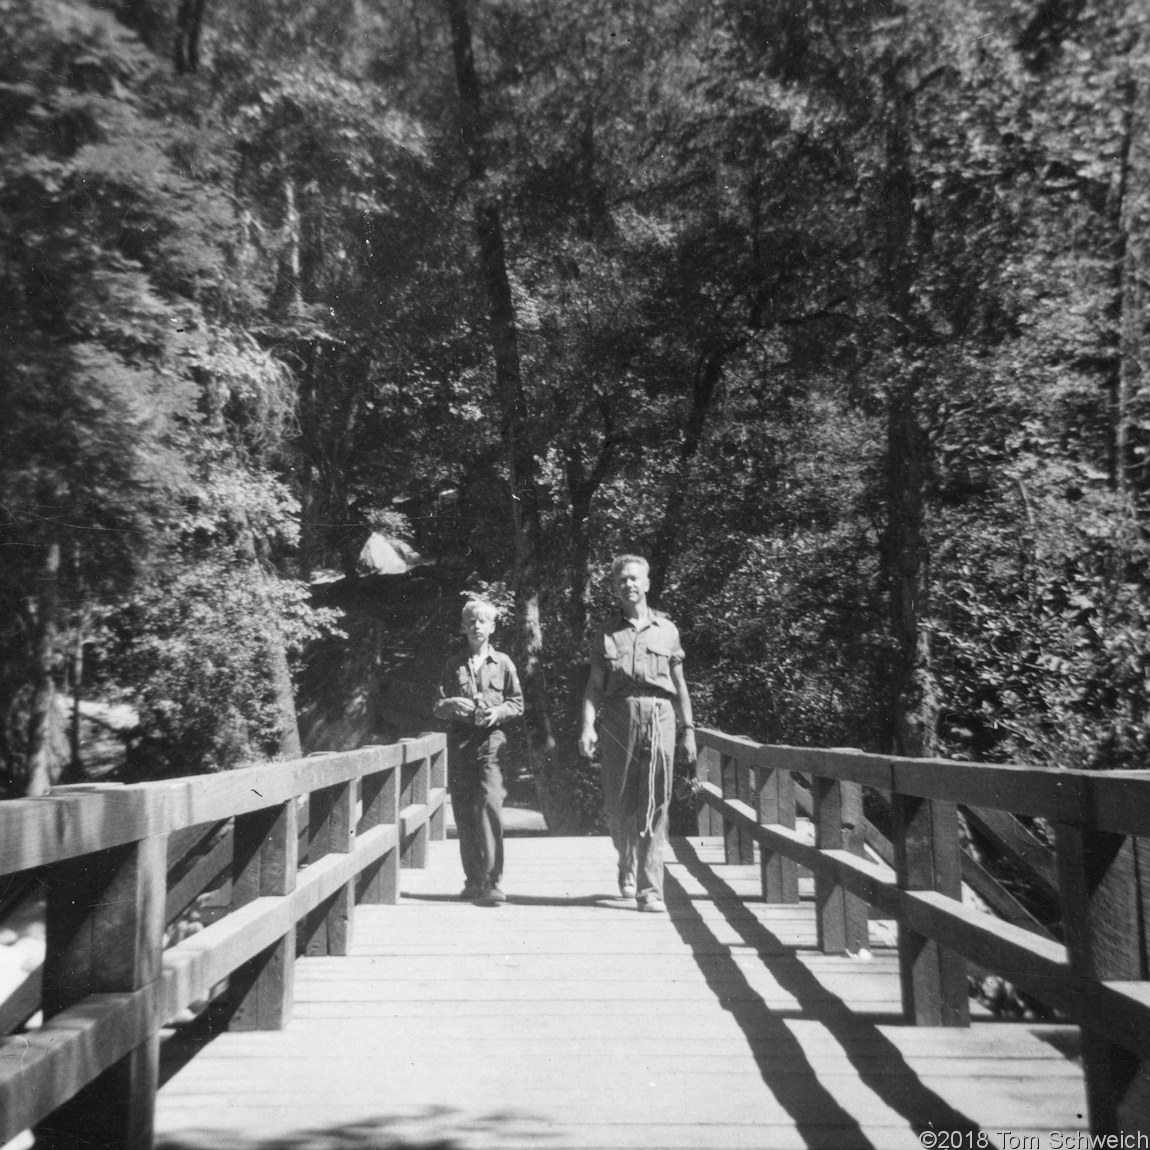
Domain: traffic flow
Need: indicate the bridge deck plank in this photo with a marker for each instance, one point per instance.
(565, 1019)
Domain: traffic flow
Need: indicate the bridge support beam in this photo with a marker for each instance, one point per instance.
(776, 806)
(331, 830)
(437, 771)
(928, 856)
(415, 789)
(379, 794)
(737, 784)
(105, 928)
(708, 769)
(1105, 899)
(838, 817)
(262, 991)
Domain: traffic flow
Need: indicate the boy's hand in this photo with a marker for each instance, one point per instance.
(589, 743)
(484, 715)
(460, 707)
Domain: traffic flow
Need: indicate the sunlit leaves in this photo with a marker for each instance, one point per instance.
(136, 415)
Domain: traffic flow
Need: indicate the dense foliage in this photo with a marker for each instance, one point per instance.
(837, 311)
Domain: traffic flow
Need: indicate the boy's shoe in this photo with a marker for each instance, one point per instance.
(470, 892)
(492, 896)
(653, 905)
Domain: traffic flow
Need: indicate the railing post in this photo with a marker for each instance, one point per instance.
(438, 781)
(708, 769)
(776, 806)
(1105, 929)
(379, 882)
(928, 856)
(414, 791)
(331, 830)
(105, 928)
(266, 858)
(736, 783)
(842, 917)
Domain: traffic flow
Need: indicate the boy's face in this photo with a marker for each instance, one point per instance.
(631, 584)
(478, 629)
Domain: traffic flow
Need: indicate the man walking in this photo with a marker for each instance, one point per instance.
(635, 691)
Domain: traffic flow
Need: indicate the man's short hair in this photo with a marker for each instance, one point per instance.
(479, 608)
(621, 561)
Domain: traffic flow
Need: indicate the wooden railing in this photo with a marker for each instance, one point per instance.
(1096, 976)
(103, 854)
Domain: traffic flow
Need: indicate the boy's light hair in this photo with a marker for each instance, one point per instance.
(621, 561)
(478, 609)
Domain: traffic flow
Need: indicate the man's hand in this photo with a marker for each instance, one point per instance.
(589, 743)
(687, 743)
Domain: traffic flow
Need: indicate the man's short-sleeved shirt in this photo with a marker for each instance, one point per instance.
(637, 660)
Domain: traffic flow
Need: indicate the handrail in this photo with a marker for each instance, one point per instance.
(1095, 976)
(108, 984)
(1008, 834)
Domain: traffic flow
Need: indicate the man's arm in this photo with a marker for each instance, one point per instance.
(592, 700)
(685, 713)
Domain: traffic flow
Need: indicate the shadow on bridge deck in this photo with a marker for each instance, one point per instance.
(565, 1019)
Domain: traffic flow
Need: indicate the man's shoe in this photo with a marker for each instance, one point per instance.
(653, 906)
(492, 896)
(626, 876)
(471, 892)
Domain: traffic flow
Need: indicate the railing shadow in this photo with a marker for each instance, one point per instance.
(882, 1068)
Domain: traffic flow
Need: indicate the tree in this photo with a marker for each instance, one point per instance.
(129, 402)
(519, 453)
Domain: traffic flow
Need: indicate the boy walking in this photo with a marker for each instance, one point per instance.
(634, 692)
(478, 693)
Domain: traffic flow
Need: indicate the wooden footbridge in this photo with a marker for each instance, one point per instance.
(348, 999)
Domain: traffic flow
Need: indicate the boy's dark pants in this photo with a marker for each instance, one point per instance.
(476, 781)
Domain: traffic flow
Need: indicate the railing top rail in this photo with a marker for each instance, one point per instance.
(1115, 801)
(77, 821)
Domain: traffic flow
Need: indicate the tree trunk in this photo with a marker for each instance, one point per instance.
(912, 708)
(1129, 327)
(75, 734)
(42, 765)
(75, 667)
(289, 740)
(520, 460)
(580, 488)
(189, 25)
(289, 284)
(1118, 382)
(279, 671)
(582, 485)
(707, 378)
(913, 696)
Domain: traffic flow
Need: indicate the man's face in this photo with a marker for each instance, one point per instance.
(631, 584)
(479, 628)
